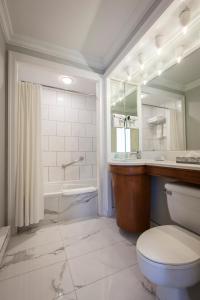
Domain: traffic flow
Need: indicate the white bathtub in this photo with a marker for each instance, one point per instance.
(70, 200)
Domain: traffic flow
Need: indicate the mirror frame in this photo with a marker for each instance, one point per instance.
(111, 154)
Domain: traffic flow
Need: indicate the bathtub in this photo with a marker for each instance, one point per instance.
(70, 200)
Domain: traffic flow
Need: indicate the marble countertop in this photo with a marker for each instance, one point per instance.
(148, 162)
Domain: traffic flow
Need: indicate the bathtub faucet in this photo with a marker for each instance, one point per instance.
(72, 162)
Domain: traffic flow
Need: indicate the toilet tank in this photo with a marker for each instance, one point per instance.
(184, 205)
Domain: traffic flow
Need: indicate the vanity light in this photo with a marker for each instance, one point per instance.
(179, 54)
(184, 19)
(141, 61)
(159, 43)
(129, 77)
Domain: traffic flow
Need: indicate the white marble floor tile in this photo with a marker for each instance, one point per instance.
(19, 262)
(84, 227)
(50, 283)
(85, 243)
(96, 265)
(33, 238)
(125, 285)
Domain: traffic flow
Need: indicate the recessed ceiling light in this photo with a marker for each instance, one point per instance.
(66, 79)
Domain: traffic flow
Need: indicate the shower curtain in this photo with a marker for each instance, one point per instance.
(175, 139)
(29, 195)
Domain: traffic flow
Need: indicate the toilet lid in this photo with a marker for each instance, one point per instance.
(169, 244)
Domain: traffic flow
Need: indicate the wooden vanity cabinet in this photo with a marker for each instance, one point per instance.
(131, 189)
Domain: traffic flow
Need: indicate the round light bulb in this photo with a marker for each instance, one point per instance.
(66, 80)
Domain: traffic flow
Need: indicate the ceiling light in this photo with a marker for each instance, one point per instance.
(184, 19)
(66, 80)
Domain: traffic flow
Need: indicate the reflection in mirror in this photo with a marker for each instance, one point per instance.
(124, 117)
(163, 120)
(182, 79)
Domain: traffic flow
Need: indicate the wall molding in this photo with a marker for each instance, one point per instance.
(192, 85)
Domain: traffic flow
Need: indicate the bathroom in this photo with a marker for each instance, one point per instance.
(100, 150)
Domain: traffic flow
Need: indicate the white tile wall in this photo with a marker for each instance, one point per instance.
(149, 140)
(68, 132)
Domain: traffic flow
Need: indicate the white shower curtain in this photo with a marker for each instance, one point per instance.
(29, 195)
(175, 139)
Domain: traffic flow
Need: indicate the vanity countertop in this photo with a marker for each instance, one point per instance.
(148, 162)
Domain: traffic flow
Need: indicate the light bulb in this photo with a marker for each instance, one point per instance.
(159, 50)
(179, 58)
(144, 82)
(159, 72)
(185, 29)
(142, 67)
(129, 77)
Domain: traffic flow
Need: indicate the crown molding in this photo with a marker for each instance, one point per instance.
(5, 20)
(192, 85)
(57, 51)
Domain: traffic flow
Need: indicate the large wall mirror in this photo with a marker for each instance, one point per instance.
(171, 107)
(124, 117)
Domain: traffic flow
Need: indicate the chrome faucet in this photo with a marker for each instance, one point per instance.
(72, 162)
(138, 154)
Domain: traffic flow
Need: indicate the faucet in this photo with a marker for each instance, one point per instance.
(138, 154)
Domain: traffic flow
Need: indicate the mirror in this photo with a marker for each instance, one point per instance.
(124, 117)
(174, 100)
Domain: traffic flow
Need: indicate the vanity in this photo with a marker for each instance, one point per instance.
(159, 116)
(132, 188)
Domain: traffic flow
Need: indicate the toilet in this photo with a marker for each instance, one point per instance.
(169, 255)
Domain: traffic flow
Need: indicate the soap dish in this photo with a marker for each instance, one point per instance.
(188, 160)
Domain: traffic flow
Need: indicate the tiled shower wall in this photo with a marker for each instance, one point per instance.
(68, 132)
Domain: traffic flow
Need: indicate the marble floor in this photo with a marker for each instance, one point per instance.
(86, 260)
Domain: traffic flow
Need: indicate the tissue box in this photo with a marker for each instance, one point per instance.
(188, 160)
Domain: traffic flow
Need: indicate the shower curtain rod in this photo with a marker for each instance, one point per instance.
(61, 89)
(155, 106)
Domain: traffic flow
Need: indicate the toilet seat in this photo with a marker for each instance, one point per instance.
(170, 245)
(169, 256)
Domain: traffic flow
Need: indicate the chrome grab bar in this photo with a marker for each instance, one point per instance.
(72, 162)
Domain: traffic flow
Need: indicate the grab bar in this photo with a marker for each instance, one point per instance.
(72, 162)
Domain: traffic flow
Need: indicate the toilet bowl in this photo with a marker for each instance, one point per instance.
(169, 255)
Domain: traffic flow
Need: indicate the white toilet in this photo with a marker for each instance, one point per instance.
(169, 256)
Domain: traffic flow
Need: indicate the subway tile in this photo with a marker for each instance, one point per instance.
(63, 157)
(49, 97)
(94, 171)
(56, 113)
(71, 143)
(45, 112)
(63, 99)
(91, 158)
(85, 116)
(85, 144)
(78, 101)
(71, 115)
(72, 173)
(49, 159)
(63, 129)
(94, 117)
(56, 143)
(56, 174)
(45, 174)
(85, 172)
(45, 143)
(78, 130)
(48, 127)
(90, 130)
(94, 144)
(91, 103)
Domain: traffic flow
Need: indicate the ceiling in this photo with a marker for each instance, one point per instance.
(43, 76)
(144, 62)
(88, 32)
